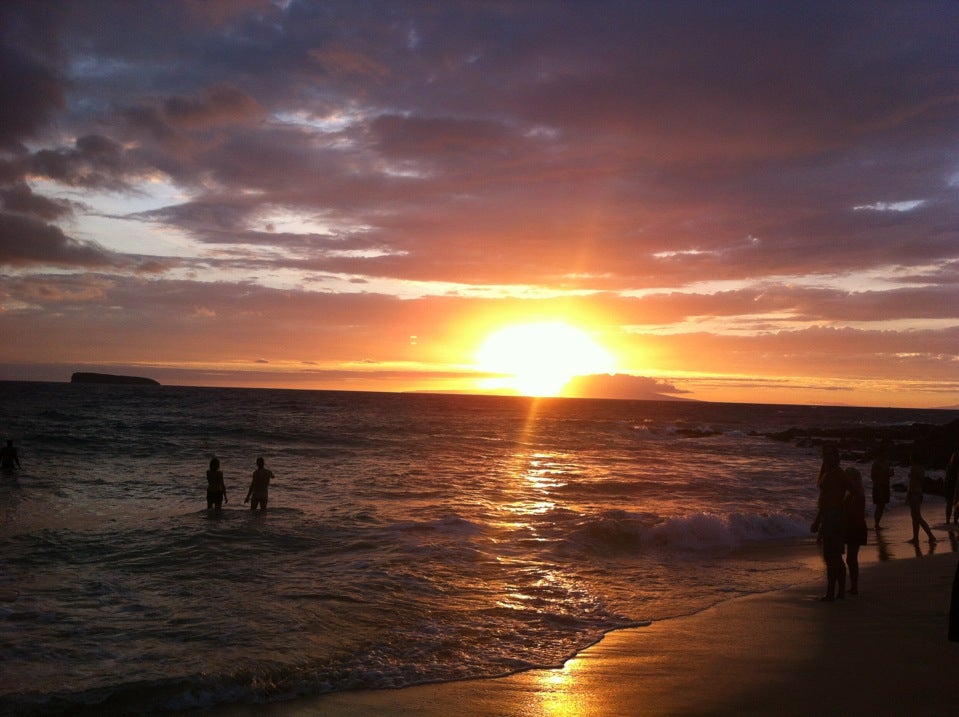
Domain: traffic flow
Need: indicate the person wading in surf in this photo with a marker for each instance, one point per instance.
(215, 487)
(259, 487)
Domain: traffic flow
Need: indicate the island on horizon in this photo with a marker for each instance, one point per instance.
(88, 377)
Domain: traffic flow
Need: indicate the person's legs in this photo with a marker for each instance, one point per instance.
(835, 571)
(916, 517)
(852, 561)
(835, 578)
(840, 577)
(830, 593)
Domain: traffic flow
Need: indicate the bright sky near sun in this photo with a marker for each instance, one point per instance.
(738, 201)
(540, 359)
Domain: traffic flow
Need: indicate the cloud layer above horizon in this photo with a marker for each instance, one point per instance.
(765, 194)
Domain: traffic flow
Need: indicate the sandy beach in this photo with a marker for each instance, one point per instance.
(882, 652)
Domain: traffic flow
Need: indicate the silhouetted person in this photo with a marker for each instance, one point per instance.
(879, 475)
(259, 486)
(830, 521)
(855, 511)
(215, 487)
(8, 457)
(949, 487)
(917, 478)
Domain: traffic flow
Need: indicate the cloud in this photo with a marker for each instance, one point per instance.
(423, 137)
(215, 107)
(94, 161)
(25, 241)
(30, 94)
(19, 198)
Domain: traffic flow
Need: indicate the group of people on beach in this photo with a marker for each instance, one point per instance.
(257, 496)
(841, 517)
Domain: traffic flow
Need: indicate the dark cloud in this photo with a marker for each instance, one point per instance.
(94, 161)
(25, 241)
(217, 106)
(20, 199)
(419, 137)
(30, 94)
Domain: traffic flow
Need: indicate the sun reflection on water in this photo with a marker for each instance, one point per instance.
(537, 476)
(558, 693)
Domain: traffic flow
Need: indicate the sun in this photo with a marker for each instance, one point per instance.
(539, 359)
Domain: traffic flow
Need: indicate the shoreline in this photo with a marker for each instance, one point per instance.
(782, 652)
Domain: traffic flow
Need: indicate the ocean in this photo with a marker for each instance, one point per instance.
(409, 537)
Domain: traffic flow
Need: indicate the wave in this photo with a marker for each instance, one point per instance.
(165, 696)
(625, 531)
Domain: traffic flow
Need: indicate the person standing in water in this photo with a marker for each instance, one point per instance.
(215, 487)
(259, 486)
(917, 479)
(8, 457)
(830, 520)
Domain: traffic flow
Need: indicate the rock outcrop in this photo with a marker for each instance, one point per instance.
(860, 444)
(86, 377)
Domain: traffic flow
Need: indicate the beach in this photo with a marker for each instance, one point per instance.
(881, 652)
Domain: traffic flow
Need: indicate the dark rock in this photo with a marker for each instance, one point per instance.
(934, 443)
(86, 377)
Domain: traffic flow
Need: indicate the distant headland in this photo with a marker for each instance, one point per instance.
(87, 377)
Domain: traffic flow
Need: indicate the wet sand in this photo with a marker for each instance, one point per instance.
(884, 651)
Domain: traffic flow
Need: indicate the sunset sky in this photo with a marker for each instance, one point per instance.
(727, 201)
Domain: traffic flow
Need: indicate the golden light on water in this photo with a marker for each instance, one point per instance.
(560, 695)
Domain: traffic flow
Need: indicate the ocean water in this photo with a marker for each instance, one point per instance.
(409, 537)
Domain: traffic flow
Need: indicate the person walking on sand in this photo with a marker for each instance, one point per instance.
(880, 474)
(8, 457)
(854, 508)
(259, 486)
(830, 520)
(215, 487)
(917, 478)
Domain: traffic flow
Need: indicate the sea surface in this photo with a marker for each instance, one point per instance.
(409, 537)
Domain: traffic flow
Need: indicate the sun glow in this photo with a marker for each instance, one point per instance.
(539, 359)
